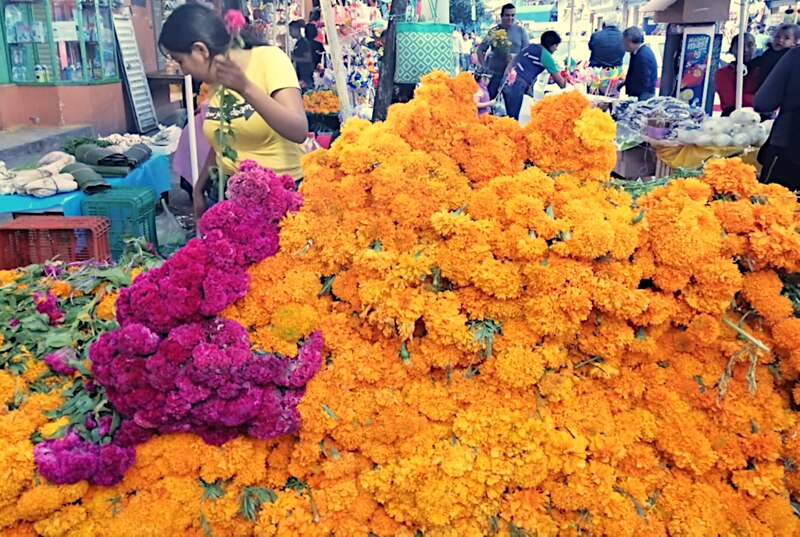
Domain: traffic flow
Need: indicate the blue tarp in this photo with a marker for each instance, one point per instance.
(540, 13)
(154, 172)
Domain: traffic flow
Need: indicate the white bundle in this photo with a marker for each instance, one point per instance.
(52, 185)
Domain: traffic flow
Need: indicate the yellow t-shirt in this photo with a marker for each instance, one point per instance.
(254, 139)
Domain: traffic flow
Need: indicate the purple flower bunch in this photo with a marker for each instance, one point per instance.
(173, 365)
(47, 303)
(61, 361)
(72, 459)
(203, 378)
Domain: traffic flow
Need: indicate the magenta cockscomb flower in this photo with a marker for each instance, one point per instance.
(71, 459)
(47, 303)
(62, 360)
(173, 366)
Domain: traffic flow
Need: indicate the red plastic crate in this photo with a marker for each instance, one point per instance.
(36, 239)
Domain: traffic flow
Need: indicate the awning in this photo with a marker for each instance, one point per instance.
(540, 13)
(654, 6)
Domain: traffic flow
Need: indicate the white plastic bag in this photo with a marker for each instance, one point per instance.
(171, 236)
(525, 111)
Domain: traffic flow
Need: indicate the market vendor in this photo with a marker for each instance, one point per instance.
(530, 63)
(268, 118)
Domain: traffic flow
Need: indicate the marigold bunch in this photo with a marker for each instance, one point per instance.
(323, 102)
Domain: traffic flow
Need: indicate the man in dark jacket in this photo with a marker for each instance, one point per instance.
(780, 156)
(606, 46)
(642, 76)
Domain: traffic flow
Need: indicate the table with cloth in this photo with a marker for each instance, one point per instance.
(153, 173)
(672, 156)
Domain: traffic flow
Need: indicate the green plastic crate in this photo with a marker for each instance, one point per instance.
(131, 212)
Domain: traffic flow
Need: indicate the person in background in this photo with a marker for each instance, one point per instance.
(302, 56)
(530, 63)
(466, 50)
(457, 48)
(482, 98)
(786, 36)
(725, 78)
(780, 156)
(268, 116)
(497, 63)
(607, 50)
(640, 82)
(317, 48)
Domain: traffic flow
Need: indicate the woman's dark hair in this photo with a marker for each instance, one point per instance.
(193, 23)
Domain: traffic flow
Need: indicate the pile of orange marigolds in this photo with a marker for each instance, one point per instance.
(513, 347)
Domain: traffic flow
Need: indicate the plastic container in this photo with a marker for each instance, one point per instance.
(131, 212)
(36, 239)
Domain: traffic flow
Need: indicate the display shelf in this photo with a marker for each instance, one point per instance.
(68, 42)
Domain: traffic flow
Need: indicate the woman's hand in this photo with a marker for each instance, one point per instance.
(231, 75)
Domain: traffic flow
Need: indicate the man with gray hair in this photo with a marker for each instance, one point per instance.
(642, 76)
(606, 46)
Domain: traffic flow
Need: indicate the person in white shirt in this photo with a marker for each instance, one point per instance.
(466, 51)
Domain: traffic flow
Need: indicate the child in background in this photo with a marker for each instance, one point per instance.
(482, 97)
(786, 36)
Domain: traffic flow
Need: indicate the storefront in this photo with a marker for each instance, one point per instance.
(58, 64)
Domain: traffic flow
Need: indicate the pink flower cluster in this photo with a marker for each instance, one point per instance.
(173, 365)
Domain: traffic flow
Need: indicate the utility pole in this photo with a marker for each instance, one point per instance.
(386, 79)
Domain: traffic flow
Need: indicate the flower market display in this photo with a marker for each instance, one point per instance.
(452, 338)
(324, 102)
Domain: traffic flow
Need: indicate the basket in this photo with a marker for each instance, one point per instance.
(131, 212)
(36, 239)
(423, 47)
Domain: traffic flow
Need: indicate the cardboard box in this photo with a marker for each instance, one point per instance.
(688, 11)
(636, 162)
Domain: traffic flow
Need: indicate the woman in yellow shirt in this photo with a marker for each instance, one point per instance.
(269, 121)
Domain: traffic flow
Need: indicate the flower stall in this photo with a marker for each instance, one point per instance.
(674, 135)
(432, 337)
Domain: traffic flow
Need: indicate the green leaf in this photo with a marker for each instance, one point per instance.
(58, 339)
(204, 525)
(328, 411)
(213, 491)
(117, 277)
(483, 332)
(251, 499)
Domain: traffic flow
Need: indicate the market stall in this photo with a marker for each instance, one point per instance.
(658, 136)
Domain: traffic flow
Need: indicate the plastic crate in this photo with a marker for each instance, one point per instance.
(131, 212)
(37, 239)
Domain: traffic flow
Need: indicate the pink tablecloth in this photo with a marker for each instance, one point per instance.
(181, 163)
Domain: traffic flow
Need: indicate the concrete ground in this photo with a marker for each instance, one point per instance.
(181, 205)
(24, 146)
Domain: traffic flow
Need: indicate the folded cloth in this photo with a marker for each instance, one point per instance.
(52, 185)
(137, 154)
(99, 156)
(111, 171)
(89, 181)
